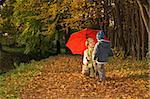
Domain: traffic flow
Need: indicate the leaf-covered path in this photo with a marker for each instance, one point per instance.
(61, 78)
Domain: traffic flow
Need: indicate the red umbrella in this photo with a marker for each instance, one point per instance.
(76, 42)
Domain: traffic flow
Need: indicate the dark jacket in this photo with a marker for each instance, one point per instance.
(102, 51)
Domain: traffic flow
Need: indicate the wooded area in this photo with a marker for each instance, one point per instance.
(36, 23)
(36, 63)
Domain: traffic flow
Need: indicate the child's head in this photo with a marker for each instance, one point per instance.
(90, 42)
(100, 35)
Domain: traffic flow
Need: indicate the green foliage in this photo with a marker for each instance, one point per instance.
(30, 37)
(37, 30)
(84, 13)
(6, 25)
(35, 21)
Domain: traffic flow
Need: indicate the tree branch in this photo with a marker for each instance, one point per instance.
(147, 10)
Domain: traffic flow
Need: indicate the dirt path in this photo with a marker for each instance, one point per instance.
(61, 79)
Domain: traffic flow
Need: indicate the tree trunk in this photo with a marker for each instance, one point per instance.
(146, 20)
(106, 18)
(133, 34)
(132, 30)
(142, 34)
(149, 29)
(138, 43)
(58, 46)
(119, 13)
(0, 47)
(67, 35)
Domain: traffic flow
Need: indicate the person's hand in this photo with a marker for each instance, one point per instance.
(94, 63)
(86, 63)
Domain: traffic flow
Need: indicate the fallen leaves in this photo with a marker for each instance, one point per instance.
(61, 78)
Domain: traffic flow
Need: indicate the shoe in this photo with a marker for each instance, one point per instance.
(100, 80)
(91, 76)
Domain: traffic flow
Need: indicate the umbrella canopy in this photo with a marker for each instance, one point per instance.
(76, 42)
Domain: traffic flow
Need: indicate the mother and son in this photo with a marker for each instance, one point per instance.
(96, 57)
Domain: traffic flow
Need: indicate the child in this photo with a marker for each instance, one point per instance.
(101, 53)
(88, 68)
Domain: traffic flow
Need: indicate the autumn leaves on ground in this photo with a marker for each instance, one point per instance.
(59, 77)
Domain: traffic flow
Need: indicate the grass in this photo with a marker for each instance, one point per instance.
(12, 82)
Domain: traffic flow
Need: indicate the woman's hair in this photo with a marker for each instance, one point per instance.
(89, 40)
